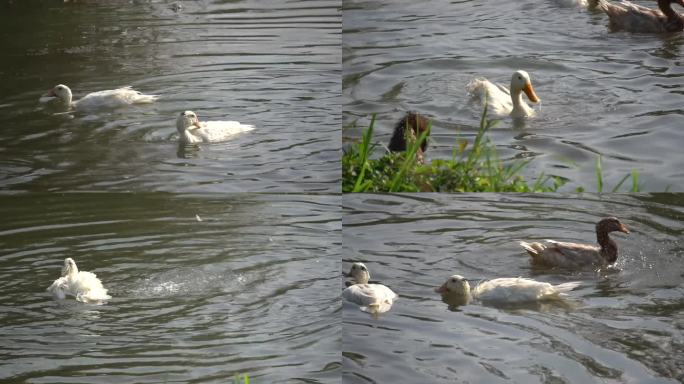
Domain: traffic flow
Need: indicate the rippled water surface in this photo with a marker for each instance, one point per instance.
(622, 325)
(273, 65)
(251, 288)
(606, 93)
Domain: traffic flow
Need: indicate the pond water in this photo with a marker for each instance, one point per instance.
(603, 92)
(275, 67)
(622, 325)
(249, 289)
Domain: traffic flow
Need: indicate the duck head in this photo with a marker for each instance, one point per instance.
(520, 82)
(455, 285)
(187, 120)
(359, 273)
(611, 224)
(416, 124)
(69, 267)
(663, 4)
(61, 92)
(675, 22)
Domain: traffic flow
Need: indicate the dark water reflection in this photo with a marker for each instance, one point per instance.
(276, 67)
(251, 288)
(614, 94)
(622, 324)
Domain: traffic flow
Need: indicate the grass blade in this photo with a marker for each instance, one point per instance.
(599, 175)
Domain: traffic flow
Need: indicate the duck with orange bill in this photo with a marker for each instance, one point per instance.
(192, 130)
(503, 291)
(109, 99)
(502, 101)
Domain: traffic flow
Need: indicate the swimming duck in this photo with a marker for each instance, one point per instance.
(636, 18)
(503, 290)
(372, 298)
(416, 124)
(192, 130)
(84, 286)
(574, 255)
(113, 98)
(504, 102)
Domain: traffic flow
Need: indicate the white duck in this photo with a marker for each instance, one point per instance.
(191, 130)
(84, 286)
(109, 99)
(504, 290)
(504, 102)
(372, 298)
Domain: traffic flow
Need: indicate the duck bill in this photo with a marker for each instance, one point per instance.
(51, 93)
(442, 289)
(196, 124)
(623, 228)
(529, 91)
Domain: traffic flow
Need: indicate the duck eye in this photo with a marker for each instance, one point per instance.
(453, 280)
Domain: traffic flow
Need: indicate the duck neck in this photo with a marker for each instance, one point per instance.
(70, 272)
(608, 247)
(188, 137)
(362, 278)
(68, 99)
(458, 299)
(666, 7)
(518, 103)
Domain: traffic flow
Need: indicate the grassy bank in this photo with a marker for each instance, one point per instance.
(473, 167)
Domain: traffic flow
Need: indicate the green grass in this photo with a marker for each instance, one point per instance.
(242, 378)
(478, 169)
(599, 179)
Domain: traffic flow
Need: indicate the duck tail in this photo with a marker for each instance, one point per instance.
(377, 308)
(567, 287)
(594, 3)
(611, 10)
(476, 88)
(533, 249)
(142, 98)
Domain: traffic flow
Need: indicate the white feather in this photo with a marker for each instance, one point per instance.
(84, 286)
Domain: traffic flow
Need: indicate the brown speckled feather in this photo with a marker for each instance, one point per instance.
(566, 255)
(636, 18)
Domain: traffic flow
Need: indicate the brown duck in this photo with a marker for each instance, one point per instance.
(409, 128)
(574, 255)
(636, 18)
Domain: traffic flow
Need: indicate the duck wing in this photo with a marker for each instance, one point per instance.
(633, 17)
(213, 131)
(563, 254)
(499, 102)
(113, 98)
(520, 290)
(371, 297)
(509, 290)
(59, 288)
(88, 288)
